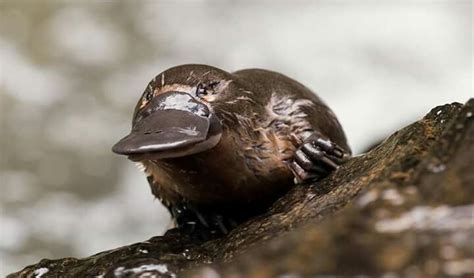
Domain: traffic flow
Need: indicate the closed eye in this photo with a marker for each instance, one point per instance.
(148, 96)
(204, 89)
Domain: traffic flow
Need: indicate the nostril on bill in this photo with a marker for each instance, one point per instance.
(149, 132)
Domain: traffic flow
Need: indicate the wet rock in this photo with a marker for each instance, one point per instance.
(405, 208)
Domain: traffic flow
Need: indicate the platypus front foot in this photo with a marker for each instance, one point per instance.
(199, 223)
(316, 157)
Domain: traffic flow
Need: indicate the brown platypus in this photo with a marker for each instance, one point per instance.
(218, 147)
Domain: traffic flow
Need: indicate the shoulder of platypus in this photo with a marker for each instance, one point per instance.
(279, 105)
(291, 109)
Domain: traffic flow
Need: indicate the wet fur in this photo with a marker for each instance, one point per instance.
(265, 116)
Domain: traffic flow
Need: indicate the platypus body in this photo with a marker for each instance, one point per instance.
(219, 147)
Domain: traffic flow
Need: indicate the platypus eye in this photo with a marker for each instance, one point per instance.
(200, 90)
(148, 96)
(204, 89)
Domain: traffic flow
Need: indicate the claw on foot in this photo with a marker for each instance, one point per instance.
(316, 157)
(201, 224)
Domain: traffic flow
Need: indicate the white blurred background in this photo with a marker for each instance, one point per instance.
(72, 73)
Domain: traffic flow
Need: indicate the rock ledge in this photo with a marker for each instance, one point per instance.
(405, 208)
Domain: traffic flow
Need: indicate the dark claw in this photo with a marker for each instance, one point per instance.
(307, 164)
(316, 158)
(303, 160)
(320, 156)
(329, 147)
(198, 215)
(201, 224)
(220, 222)
(300, 174)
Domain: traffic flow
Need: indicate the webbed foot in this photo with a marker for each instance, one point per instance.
(316, 157)
(199, 223)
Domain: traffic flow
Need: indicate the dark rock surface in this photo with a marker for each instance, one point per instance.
(406, 208)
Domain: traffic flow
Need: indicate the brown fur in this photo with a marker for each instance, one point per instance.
(264, 117)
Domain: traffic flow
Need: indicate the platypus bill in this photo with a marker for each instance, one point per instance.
(219, 147)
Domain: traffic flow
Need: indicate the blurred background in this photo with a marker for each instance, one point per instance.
(71, 74)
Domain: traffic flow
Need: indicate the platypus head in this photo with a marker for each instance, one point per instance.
(175, 116)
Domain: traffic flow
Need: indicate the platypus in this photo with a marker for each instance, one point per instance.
(219, 147)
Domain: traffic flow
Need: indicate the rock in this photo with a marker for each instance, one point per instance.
(405, 208)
